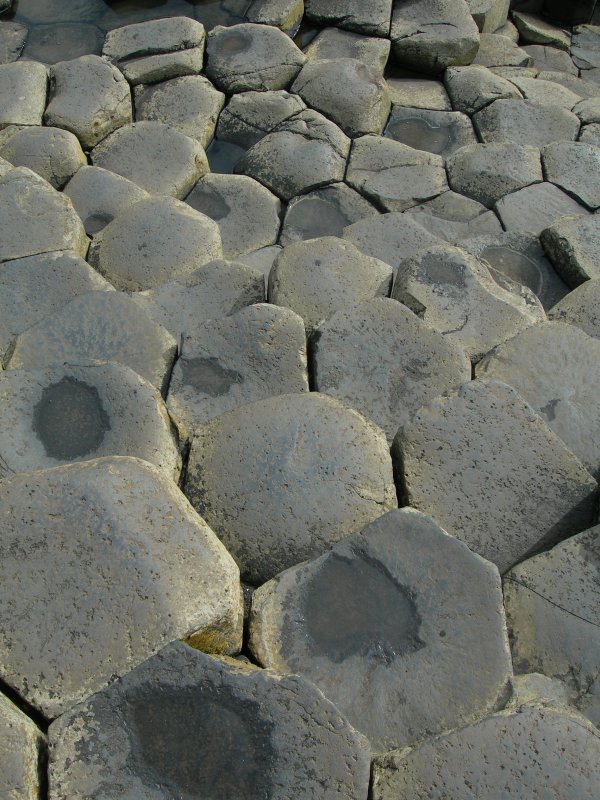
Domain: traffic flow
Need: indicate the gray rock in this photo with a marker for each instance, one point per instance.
(585, 46)
(549, 365)
(23, 749)
(258, 352)
(157, 50)
(13, 36)
(474, 87)
(577, 85)
(508, 29)
(23, 88)
(248, 56)
(574, 166)
(98, 196)
(246, 213)
(153, 242)
(590, 134)
(438, 132)
(50, 44)
(35, 218)
(588, 110)
(56, 10)
(184, 723)
(99, 326)
(490, 471)
(486, 172)
(382, 620)
(157, 157)
(317, 277)
(547, 92)
(251, 115)
(260, 476)
(51, 153)
(534, 208)
(515, 72)
(451, 37)
(352, 14)
(550, 58)
(191, 104)
(379, 358)
(489, 14)
(573, 246)
(533, 688)
(138, 568)
(454, 217)
(262, 260)
(581, 308)
(534, 30)
(520, 752)
(419, 93)
(336, 43)
(525, 122)
(500, 51)
(453, 292)
(284, 14)
(89, 97)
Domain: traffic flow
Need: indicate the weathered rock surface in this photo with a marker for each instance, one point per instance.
(22, 81)
(51, 153)
(489, 14)
(551, 59)
(438, 132)
(352, 14)
(13, 36)
(23, 745)
(251, 115)
(581, 308)
(573, 246)
(534, 30)
(500, 51)
(419, 93)
(284, 14)
(525, 122)
(574, 167)
(336, 43)
(547, 92)
(454, 217)
(50, 44)
(585, 46)
(473, 87)
(534, 208)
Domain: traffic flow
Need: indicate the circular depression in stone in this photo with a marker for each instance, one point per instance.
(314, 217)
(69, 419)
(233, 42)
(208, 376)
(209, 203)
(515, 265)
(422, 135)
(223, 156)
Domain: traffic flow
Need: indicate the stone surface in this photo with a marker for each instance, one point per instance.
(534, 208)
(23, 748)
(50, 44)
(438, 132)
(489, 14)
(578, 86)
(525, 122)
(153, 242)
(293, 446)
(547, 92)
(256, 353)
(380, 359)
(251, 115)
(534, 30)
(262, 260)
(490, 471)
(585, 46)
(573, 246)
(588, 110)
(158, 157)
(590, 134)
(550, 58)
(138, 568)
(185, 724)
(581, 308)
(51, 153)
(573, 166)
(99, 326)
(454, 217)
(284, 14)
(23, 88)
(352, 14)
(337, 43)
(381, 621)
(13, 36)
(500, 51)
(419, 93)
(473, 87)
(317, 277)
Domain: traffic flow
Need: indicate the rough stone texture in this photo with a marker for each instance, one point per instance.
(549, 365)
(153, 242)
(20, 80)
(519, 753)
(451, 37)
(578, 86)
(573, 246)
(89, 97)
(419, 93)
(50, 44)
(489, 14)
(251, 115)
(293, 447)
(22, 745)
(547, 92)
(380, 359)
(157, 157)
(352, 14)
(317, 277)
(382, 620)
(581, 308)
(251, 57)
(525, 122)
(588, 110)
(51, 153)
(534, 208)
(474, 87)
(486, 172)
(263, 260)
(246, 213)
(453, 292)
(590, 134)
(574, 167)
(65, 414)
(13, 36)
(258, 352)
(585, 46)
(438, 132)
(549, 58)
(185, 724)
(534, 30)
(99, 326)
(490, 471)
(336, 43)
(500, 51)
(284, 14)
(454, 217)
(138, 568)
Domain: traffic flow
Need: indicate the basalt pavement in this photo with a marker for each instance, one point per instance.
(299, 401)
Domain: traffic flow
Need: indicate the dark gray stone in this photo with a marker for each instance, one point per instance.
(474, 87)
(525, 122)
(585, 46)
(13, 36)
(50, 44)
(251, 115)
(547, 92)
(438, 132)
(352, 14)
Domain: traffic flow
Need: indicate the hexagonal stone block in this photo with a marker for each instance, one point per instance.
(23, 749)
(189, 724)
(99, 326)
(157, 157)
(337, 43)
(352, 14)
(487, 467)
(261, 476)
(516, 752)
(64, 414)
(251, 57)
(23, 88)
(573, 166)
(51, 153)
(500, 51)
(258, 352)
(284, 14)
(317, 277)
(525, 122)
(138, 568)
(89, 97)
(251, 115)
(573, 246)
(454, 217)
(384, 615)
(379, 358)
(534, 208)
(438, 132)
(581, 308)
(473, 87)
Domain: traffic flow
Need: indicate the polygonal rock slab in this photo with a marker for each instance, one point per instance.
(380, 359)
(474, 87)
(64, 414)
(546, 92)
(489, 14)
(89, 97)
(284, 14)
(394, 175)
(525, 122)
(500, 51)
(590, 134)
(337, 43)
(251, 57)
(573, 246)
(256, 353)
(453, 292)
(574, 167)
(62, 42)
(23, 87)
(483, 464)
(517, 752)
(319, 276)
(13, 36)
(262, 476)
(382, 620)
(438, 132)
(534, 30)
(549, 365)
(551, 59)
(454, 217)
(585, 46)
(157, 157)
(109, 559)
(153, 242)
(22, 751)
(581, 308)
(251, 115)
(352, 14)
(99, 326)
(185, 724)
(51, 153)
(534, 208)
(419, 93)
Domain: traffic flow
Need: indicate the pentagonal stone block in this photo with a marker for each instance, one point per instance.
(581, 308)
(534, 208)
(383, 615)
(262, 475)
(573, 246)
(138, 568)
(23, 749)
(474, 87)
(573, 166)
(251, 115)
(337, 43)
(352, 14)
(185, 724)
(51, 153)
(525, 122)
(487, 467)
(454, 217)
(438, 132)
(23, 88)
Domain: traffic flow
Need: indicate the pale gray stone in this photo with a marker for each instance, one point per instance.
(474, 87)
(284, 14)
(550, 58)
(590, 134)
(438, 132)
(525, 122)
(500, 51)
(263, 260)
(454, 217)
(581, 308)
(588, 110)
(574, 167)
(23, 748)
(515, 72)
(534, 208)
(585, 46)
(489, 14)
(577, 85)
(50, 44)
(509, 30)
(533, 688)
(354, 15)
(23, 89)
(13, 36)
(573, 246)
(534, 30)
(419, 93)
(251, 115)
(547, 92)
(51, 153)
(335, 43)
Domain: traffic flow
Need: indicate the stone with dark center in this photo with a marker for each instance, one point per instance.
(137, 569)
(23, 750)
(534, 208)
(474, 87)
(581, 308)
(19, 80)
(381, 620)
(51, 153)
(454, 217)
(488, 468)
(352, 15)
(261, 476)
(438, 132)
(337, 43)
(187, 725)
(525, 122)
(251, 115)
(574, 166)
(573, 246)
